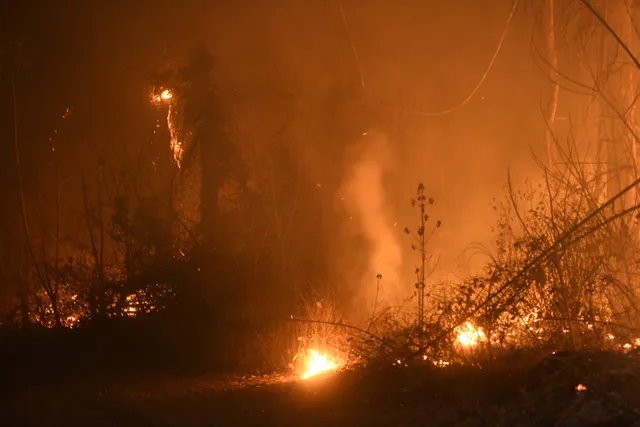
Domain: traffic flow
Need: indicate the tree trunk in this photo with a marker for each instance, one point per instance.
(552, 51)
(630, 37)
(40, 272)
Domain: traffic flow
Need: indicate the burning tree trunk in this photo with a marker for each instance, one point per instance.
(200, 145)
(209, 145)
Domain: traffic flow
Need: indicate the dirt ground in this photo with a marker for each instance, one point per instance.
(203, 401)
(541, 395)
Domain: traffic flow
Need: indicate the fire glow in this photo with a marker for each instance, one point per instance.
(175, 143)
(318, 363)
(470, 335)
(163, 96)
(166, 97)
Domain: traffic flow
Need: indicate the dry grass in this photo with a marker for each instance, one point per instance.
(284, 346)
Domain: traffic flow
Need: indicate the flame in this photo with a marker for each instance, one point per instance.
(175, 143)
(470, 335)
(441, 363)
(164, 96)
(318, 363)
(72, 321)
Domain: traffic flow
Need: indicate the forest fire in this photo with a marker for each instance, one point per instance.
(174, 143)
(162, 97)
(318, 363)
(581, 387)
(468, 336)
(238, 214)
(166, 97)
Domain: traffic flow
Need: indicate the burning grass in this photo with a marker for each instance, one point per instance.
(305, 348)
(482, 350)
(317, 363)
(563, 278)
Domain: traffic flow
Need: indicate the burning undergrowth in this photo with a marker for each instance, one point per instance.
(579, 388)
(321, 340)
(312, 341)
(563, 278)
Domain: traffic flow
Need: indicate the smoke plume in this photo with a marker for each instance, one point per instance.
(366, 202)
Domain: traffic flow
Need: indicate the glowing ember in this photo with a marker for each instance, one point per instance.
(318, 363)
(166, 97)
(72, 321)
(175, 143)
(163, 96)
(581, 387)
(469, 335)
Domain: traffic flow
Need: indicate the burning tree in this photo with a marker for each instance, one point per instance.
(201, 147)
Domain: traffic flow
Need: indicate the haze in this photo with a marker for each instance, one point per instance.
(281, 68)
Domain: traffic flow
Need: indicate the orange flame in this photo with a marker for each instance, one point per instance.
(175, 143)
(318, 363)
(470, 335)
(166, 98)
(163, 96)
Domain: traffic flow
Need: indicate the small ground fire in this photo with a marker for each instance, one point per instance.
(318, 363)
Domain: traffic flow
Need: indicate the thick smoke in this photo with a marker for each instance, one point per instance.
(366, 202)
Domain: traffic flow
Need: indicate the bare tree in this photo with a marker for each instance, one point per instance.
(39, 266)
(552, 51)
(97, 239)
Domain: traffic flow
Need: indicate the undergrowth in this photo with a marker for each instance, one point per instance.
(563, 277)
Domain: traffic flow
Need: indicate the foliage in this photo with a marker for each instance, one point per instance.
(556, 280)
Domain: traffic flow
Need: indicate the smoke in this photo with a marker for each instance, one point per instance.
(366, 202)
